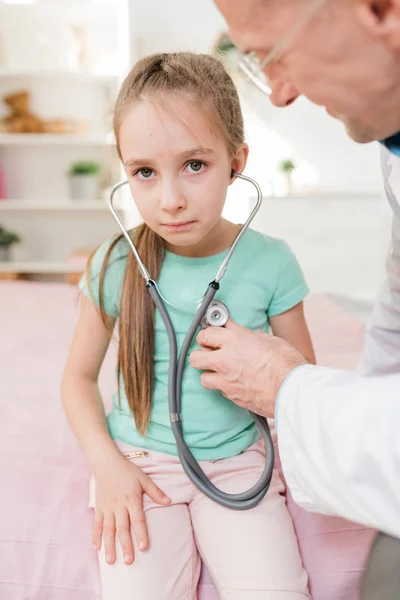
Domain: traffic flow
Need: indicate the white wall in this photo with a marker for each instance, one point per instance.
(341, 242)
(173, 26)
(320, 142)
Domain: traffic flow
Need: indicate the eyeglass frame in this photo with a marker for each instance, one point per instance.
(253, 68)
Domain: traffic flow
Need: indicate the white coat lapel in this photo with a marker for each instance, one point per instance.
(391, 175)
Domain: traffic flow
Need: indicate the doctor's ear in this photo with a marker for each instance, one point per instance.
(239, 160)
(381, 18)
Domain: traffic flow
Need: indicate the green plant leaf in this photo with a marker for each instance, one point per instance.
(85, 168)
(8, 237)
(286, 166)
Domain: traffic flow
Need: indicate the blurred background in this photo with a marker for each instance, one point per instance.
(60, 66)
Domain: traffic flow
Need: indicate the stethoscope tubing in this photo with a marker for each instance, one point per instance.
(177, 363)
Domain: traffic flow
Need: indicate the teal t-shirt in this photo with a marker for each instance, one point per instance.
(263, 280)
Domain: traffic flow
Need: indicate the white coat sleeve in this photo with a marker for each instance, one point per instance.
(381, 353)
(339, 444)
(339, 432)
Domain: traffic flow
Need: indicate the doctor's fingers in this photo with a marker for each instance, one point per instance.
(215, 381)
(215, 360)
(230, 335)
(214, 337)
(212, 381)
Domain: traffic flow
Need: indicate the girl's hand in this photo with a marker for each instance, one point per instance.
(119, 506)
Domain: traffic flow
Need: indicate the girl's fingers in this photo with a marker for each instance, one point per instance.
(109, 537)
(97, 529)
(138, 523)
(153, 491)
(123, 527)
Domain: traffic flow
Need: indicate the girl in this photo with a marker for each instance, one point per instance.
(179, 132)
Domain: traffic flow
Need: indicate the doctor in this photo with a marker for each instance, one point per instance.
(338, 432)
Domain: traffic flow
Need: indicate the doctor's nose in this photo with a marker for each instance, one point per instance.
(283, 93)
(172, 199)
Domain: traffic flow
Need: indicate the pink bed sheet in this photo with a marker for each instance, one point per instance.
(45, 547)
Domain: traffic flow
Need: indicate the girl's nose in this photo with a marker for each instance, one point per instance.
(171, 198)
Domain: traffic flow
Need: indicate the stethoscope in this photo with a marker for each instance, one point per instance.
(210, 312)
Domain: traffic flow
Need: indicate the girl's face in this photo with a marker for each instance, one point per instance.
(178, 170)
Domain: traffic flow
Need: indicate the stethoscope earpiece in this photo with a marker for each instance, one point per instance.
(233, 173)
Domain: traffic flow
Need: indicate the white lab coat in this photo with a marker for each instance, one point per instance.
(339, 432)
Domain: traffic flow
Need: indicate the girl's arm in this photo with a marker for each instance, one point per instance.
(119, 484)
(80, 392)
(292, 327)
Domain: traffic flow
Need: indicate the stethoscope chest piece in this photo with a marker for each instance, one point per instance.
(217, 315)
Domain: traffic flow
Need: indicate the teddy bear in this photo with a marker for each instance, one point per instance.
(20, 119)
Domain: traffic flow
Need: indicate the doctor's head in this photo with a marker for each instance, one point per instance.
(179, 131)
(341, 54)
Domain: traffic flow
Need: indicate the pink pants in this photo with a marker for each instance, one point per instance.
(251, 555)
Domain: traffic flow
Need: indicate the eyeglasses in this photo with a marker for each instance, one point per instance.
(254, 69)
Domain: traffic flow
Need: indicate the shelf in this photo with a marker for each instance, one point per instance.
(40, 267)
(50, 139)
(10, 205)
(79, 76)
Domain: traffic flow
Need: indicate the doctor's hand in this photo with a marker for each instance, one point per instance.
(247, 367)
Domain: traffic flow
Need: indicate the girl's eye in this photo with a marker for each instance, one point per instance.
(195, 166)
(144, 173)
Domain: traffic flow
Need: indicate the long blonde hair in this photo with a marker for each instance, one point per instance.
(205, 80)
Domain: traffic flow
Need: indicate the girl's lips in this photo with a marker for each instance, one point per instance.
(178, 226)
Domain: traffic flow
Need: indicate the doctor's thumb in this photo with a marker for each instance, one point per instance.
(233, 326)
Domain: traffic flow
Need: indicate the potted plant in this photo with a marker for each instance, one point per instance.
(84, 180)
(287, 166)
(229, 53)
(7, 238)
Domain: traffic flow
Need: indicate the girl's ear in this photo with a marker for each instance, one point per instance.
(239, 161)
